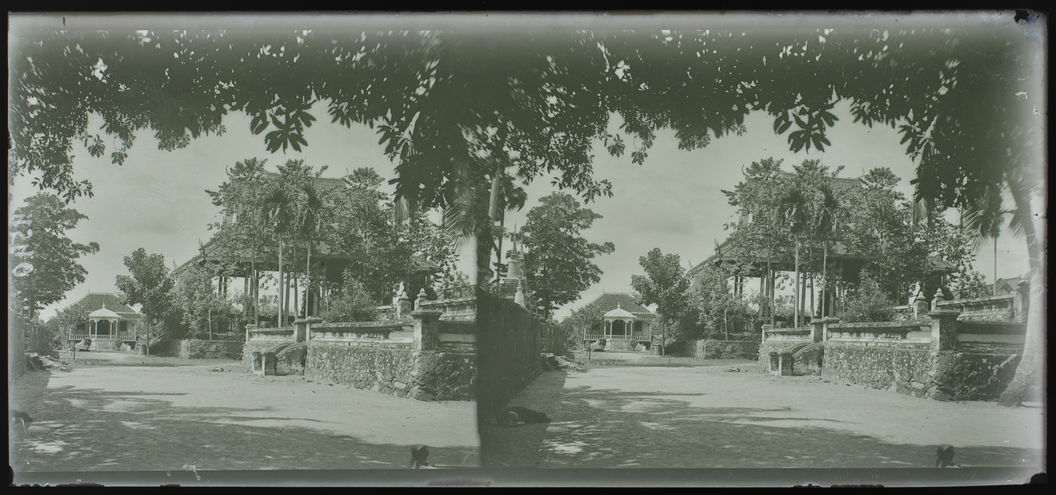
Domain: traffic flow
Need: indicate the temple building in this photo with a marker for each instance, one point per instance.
(765, 266)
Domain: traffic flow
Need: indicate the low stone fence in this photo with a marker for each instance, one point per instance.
(462, 309)
(162, 348)
(210, 349)
(510, 342)
(781, 340)
(940, 357)
(723, 349)
(994, 308)
(423, 356)
(282, 334)
(991, 334)
(912, 330)
(261, 340)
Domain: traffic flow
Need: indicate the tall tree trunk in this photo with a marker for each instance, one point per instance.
(725, 325)
(995, 264)
(795, 291)
(308, 280)
(813, 308)
(824, 281)
(766, 292)
(495, 214)
(772, 287)
(253, 290)
(282, 288)
(1031, 368)
(803, 288)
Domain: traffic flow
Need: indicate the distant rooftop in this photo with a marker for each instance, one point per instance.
(609, 301)
(96, 300)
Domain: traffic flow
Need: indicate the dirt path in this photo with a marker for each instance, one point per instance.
(708, 417)
(162, 414)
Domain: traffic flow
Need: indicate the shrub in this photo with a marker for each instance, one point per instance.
(352, 303)
(867, 303)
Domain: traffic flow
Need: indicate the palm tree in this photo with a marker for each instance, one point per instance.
(283, 209)
(826, 226)
(310, 225)
(794, 207)
(983, 218)
(277, 206)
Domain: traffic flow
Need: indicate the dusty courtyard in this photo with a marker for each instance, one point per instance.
(122, 412)
(631, 413)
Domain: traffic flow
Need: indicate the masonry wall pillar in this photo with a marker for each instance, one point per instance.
(303, 328)
(426, 329)
(943, 329)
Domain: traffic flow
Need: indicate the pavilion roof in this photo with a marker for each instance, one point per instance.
(619, 312)
(97, 300)
(103, 312)
(609, 301)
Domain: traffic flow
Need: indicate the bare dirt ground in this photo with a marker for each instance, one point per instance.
(700, 414)
(117, 411)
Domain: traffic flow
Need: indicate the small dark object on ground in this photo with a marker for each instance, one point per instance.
(944, 457)
(217, 369)
(518, 415)
(733, 370)
(21, 417)
(419, 457)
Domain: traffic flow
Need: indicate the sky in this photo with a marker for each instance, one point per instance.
(157, 199)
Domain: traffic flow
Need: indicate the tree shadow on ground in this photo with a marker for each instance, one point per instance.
(520, 446)
(79, 429)
(608, 428)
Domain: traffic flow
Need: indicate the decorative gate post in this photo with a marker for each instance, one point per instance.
(426, 329)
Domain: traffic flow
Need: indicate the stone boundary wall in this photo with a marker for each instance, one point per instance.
(163, 348)
(993, 308)
(942, 358)
(424, 356)
(783, 345)
(393, 368)
(210, 349)
(723, 349)
(897, 366)
(510, 341)
(781, 340)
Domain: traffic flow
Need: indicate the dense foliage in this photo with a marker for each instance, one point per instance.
(150, 285)
(283, 217)
(665, 284)
(558, 259)
(42, 259)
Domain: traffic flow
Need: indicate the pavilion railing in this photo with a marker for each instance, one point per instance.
(102, 336)
(595, 336)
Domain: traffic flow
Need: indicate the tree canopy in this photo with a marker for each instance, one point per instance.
(351, 217)
(558, 260)
(43, 259)
(445, 99)
(149, 284)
